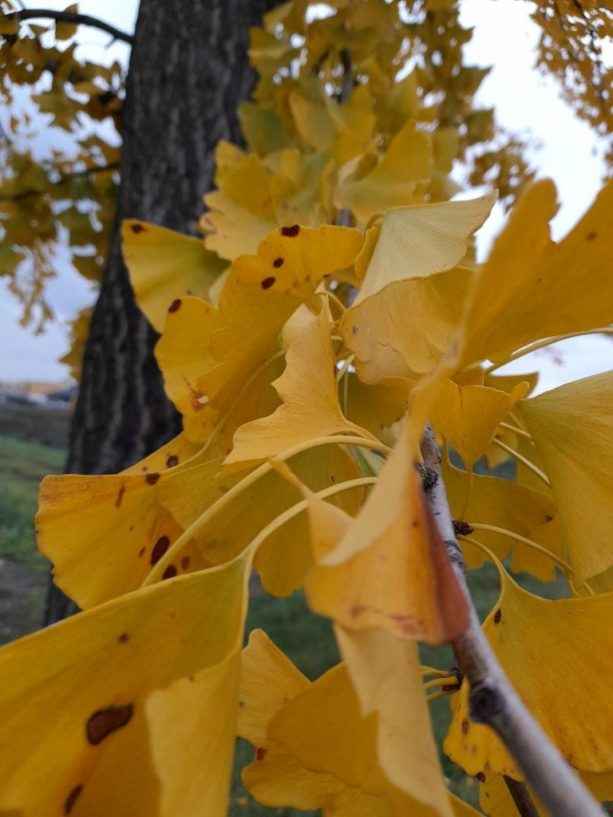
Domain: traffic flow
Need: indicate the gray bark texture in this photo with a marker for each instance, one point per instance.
(188, 72)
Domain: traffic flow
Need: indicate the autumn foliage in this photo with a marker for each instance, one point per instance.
(333, 309)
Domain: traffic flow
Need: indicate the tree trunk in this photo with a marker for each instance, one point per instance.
(188, 71)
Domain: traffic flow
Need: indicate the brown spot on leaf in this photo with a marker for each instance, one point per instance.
(151, 479)
(106, 721)
(498, 616)
(465, 727)
(69, 802)
(123, 638)
(260, 753)
(159, 549)
(480, 777)
(185, 562)
(354, 330)
(175, 305)
(291, 232)
(120, 494)
(591, 235)
(278, 262)
(170, 572)
(171, 461)
(141, 552)
(137, 228)
(268, 282)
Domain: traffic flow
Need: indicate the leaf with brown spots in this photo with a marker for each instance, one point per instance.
(209, 354)
(106, 719)
(164, 266)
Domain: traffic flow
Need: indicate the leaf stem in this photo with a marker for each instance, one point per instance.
(493, 701)
(517, 430)
(519, 538)
(528, 463)
(540, 344)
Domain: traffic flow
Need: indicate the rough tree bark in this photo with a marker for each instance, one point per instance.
(188, 71)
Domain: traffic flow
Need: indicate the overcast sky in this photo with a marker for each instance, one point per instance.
(504, 37)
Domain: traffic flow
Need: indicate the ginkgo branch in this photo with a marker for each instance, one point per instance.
(493, 700)
(528, 463)
(71, 17)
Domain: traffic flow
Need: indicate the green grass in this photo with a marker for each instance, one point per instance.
(22, 464)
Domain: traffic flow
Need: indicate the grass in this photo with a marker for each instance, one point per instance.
(22, 464)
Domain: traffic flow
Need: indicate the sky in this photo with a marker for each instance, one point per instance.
(525, 101)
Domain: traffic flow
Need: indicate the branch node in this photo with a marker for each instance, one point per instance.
(485, 702)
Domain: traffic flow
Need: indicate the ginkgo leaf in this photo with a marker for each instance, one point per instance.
(467, 416)
(400, 177)
(390, 570)
(206, 354)
(310, 407)
(377, 407)
(504, 503)
(102, 533)
(285, 556)
(418, 241)
(314, 747)
(556, 654)
(407, 328)
(531, 287)
(386, 676)
(165, 265)
(572, 427)
(96, 694)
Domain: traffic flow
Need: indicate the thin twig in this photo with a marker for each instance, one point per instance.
(493, 701)
(71, 17)
(528, 463)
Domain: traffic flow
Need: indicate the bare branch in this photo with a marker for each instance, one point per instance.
(71, 17)
(493, 701)
(64, 177)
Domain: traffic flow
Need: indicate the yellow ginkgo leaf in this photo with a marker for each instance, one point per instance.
(531, 287)
(310, 407)
(377, 407)
(206, 353)
(405, 329)
(390, 570)
(572, 427)
(165, 265)
(386, 676)
(314, 747)
(285, 556)
(556, 654)
(418, 241)
(102, 533)
(467, 416)
(86, 705)
(295, 259)
(401, 177)
(504, 503)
